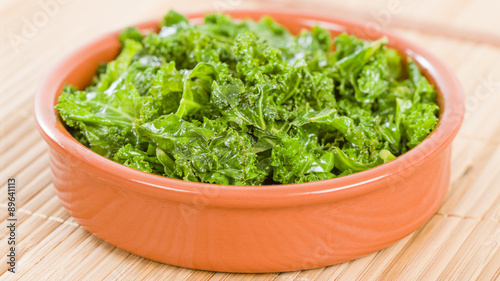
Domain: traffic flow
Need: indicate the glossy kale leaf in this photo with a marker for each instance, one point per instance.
(206, 152)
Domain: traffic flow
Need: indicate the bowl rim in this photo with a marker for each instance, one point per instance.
(450, 97)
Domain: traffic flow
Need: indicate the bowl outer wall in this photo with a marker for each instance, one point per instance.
(367, 210)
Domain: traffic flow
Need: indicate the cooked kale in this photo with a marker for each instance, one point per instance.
(248, 103)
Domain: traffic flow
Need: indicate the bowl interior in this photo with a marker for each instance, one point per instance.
(79, 68)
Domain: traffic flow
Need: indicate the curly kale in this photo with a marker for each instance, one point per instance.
(248, 103)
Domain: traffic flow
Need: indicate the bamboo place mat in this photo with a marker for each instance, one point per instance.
(460, 242)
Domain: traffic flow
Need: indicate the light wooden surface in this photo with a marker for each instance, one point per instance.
(460, 242)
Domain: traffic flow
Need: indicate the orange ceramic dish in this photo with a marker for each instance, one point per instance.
(250, 229)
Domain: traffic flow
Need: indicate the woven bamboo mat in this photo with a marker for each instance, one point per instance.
(460, 242)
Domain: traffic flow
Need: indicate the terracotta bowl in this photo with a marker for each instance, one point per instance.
(250, 229)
